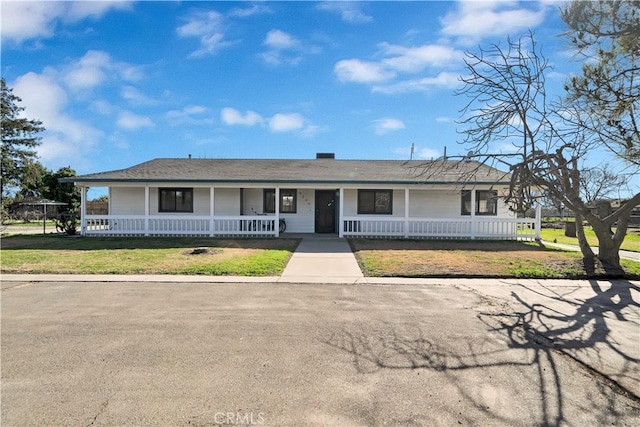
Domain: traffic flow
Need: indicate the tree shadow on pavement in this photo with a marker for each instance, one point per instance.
(579, 327)
(545, 348)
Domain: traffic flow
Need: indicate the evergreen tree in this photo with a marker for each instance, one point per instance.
(19, 140)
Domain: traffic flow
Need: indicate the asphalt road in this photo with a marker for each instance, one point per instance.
(285, 354)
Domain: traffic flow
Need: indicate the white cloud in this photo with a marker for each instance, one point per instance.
(95, 9)
(208, 27)
(65, 138)
(101, 106)
(195, 109)
(23, 20)
(442, 80)
(135, 97)
(416, 59)
(58, 96)
(191, 115)
(131, 121)
(474, 20)
(278, 39)
(293, 122)
(355, 70)
(399, 61)
(278, 123)
(350, 11)
(286, 122)
(89, 71)
(95, 68)
(386, 125)
(256, 9)
(231, 116)
(285, 49)
(200, 24)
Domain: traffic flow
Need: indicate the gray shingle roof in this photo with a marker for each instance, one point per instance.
(300, 171)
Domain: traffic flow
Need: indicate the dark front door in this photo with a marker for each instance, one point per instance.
(325, 211)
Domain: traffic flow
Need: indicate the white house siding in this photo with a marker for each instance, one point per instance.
(504, 211)
(303, 221)
(227, 201)
(201, 205)
(126, 200)
(253, 202)
(434, 203)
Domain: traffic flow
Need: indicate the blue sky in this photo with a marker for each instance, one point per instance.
(119, 83)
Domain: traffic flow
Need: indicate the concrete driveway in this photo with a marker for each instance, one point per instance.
(285, 354)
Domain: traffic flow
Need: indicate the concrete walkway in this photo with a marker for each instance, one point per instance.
(322, 259)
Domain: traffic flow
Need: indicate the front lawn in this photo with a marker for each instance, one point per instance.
(445, 258)
(60, 254)
(631, 241)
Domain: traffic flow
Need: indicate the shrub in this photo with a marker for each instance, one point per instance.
(67, 222)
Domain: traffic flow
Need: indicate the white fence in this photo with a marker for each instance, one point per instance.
(162, 225)
(468, 228)
(264, 226)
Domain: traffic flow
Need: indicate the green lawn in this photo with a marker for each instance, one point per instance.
(266, 257)
(149, 255)
(630, 243)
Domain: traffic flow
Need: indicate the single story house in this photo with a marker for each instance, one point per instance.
(248, 197)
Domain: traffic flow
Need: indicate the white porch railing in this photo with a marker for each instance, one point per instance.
(467, 228)
(162, 225)
(264, 226)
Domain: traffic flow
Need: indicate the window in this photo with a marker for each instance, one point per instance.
(486, 202)
(175, 200)
(288, 202)
(375, 202)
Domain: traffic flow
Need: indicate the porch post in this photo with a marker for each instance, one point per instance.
(212, 206)
(83, 211)
(341, 214)
(109, 198)
(146, 209)
(473, 214)
(406, 212)
(538, 223)
(276, 224)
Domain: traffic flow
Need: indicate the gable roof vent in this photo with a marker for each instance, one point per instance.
(325, 155)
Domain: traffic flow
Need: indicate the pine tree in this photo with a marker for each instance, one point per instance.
(19, 140)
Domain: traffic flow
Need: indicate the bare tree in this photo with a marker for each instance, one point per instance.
(602, 182)
(509, 121)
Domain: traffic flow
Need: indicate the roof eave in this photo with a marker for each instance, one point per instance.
(274, 181)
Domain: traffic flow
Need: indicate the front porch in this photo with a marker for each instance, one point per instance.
(264, 226)
(252, 211)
